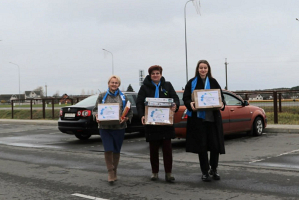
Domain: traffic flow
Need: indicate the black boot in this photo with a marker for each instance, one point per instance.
(214, 174)
(205, 177)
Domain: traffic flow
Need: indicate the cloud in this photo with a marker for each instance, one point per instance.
(59, 43)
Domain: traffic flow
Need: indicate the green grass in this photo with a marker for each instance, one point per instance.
(25, 114)
(34, 106)
(289, 115)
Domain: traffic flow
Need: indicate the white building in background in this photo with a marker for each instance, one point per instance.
(255, 97)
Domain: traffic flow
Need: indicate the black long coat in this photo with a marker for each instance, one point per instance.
(193, 138)
(166, 90)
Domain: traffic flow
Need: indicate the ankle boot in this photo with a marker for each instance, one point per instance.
(116, 157)
(154, 176)
(169, 178)
(206, 177)
(109, 164)
(214, 174)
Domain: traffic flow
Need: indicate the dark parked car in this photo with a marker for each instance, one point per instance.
(78, 119)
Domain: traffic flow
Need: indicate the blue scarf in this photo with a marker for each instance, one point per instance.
(200, 114)
(157, 89)
(122, 96)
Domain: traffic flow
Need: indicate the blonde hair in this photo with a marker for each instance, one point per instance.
(114, 76)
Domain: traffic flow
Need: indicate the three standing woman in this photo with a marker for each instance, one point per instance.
(113, 135)
(204, 128)
(155, 86)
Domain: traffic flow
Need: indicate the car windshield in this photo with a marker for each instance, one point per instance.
(89, 101)
(180, 94)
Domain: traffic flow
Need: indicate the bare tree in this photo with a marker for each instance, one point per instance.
(41, 90)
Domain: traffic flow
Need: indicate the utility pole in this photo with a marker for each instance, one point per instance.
(196, 5)
(226, 87)
(46, 89)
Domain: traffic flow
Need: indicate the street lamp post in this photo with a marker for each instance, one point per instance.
(112, 60)
(19, 81)
(226, 86)
(197, 9)
(186, 42)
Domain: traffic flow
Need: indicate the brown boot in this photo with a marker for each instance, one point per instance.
(169, 178)
(109, 164)
(115, 164)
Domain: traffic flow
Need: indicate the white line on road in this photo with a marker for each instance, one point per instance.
(288, 152)
(54, 133)
(297, 150)
(87, 197)
(256, 161)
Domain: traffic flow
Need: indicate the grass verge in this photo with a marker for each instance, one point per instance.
(289, 115)
(25, 114)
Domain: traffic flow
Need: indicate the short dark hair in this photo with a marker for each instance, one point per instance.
(155, 67)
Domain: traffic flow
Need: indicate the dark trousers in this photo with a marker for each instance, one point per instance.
(204, 161)
(167, 155)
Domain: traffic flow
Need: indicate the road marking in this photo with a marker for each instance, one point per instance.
(256, 161)
(288, 152)
(87, 197)
(54, 133)
(297, 150)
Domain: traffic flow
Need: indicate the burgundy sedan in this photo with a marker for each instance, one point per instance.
(238, 116)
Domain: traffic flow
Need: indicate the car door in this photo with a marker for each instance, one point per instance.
(225, 120)
(239, 115)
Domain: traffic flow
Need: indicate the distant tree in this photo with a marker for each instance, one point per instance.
(295, 88)
(56, 94)
(130, 88)
(41, 89)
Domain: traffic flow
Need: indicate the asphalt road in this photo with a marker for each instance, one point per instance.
(39, 162)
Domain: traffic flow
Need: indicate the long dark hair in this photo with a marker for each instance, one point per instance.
(209, 74)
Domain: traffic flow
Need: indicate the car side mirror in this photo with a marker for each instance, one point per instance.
(245, 103)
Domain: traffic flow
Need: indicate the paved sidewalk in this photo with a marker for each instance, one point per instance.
(271, 128)
(281, 128)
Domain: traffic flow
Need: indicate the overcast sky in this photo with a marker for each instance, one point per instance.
(60, 42)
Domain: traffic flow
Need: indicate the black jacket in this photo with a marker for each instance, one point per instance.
(166, 90)
(193, 139)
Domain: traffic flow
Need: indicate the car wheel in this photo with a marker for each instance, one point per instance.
(83, 136)
(258, 126)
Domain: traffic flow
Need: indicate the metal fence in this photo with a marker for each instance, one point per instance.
(277, 101)
(274, 101)
(45, 102)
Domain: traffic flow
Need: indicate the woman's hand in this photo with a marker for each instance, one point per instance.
(97, 120)
(173, 108)
(222, 106)
(192, 104)
(143, 120)
(123, 120)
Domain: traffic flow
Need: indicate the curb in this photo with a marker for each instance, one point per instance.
(280, 130)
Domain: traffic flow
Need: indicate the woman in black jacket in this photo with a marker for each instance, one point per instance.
(204, 129)
(155, 86)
